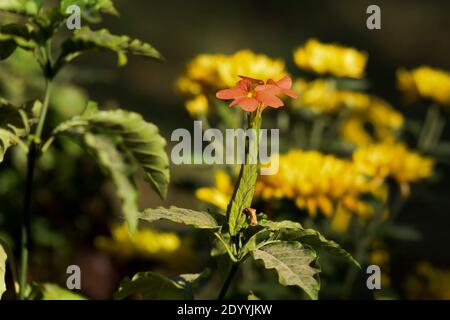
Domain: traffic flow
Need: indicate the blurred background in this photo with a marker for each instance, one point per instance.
(76, 205)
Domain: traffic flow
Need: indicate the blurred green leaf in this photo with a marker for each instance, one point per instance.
(86, 39)
(91, 10)
(3, 258)
(292, 262)
(23, 7)
(115, 166)
(13, 126)
(389, 230)
(50, 291)
(151, 286)
(198, 219)
(15, 35)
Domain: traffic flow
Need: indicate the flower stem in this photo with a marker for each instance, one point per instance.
(228, 280)
(26, 218)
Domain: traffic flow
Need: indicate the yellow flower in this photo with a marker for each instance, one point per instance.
(382, 117)
(146, 243)
(315, 181)
(221, 194)
(207, 73)
(393, 160)
(245, 62)
(429, 83)
(428, 282)
(197, 106)
(426, 82)
(324, 58)
(322, 96)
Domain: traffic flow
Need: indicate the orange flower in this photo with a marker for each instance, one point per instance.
(251, 93)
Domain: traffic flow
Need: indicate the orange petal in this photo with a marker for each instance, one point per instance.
(248, 104)
(285, 83)
(232, 93)
(269, 99)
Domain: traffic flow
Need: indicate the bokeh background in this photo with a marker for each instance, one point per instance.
(413, 33)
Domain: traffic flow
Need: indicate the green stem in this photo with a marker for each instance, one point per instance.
(431, 130)
(317, 132)
(26, 219)
(228, 280)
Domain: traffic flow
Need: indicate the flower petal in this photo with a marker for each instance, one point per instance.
(269, 99)
(232, 93)
(248, 104)
(285, 83)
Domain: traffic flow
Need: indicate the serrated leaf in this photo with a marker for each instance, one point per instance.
(114, 165)
(3, 258)
(135, 136)
(141, 139)
(151, 286)
(23, 7)
(280, 225)
(91, 10)
(292, 262)
(245, 187)
(86, 39)
(317, 241)
(198, 219)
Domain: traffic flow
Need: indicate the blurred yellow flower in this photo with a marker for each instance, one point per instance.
(207, 73)
(384, 120)
(197, 106)
(144, 243)
(426, 82)
(220, 195)
(337, 60)
(393, 160)
(316, 181)
(428, 282)
(322, 96)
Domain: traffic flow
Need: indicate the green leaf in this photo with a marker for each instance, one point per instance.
(114, 165)
(280, 225)
(316, 240)
(197, 219)
(134, 136)
(3, 259)
(138, 137)
(151, 286)
(15, 35)
(50, 291)
(23, 7)
(14, 125)
(389, 230)
(86, 39)
(91, 10)
(245, 187)
(292, 262)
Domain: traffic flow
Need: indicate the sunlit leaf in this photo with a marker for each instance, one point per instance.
(151, 286)
(86, 39)
(50, 291)
(23, 7)
(244, 189)
(3, 258)
(198, 219)
(292, 262)
(91, 10)
(13, 126)
(316, 240)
